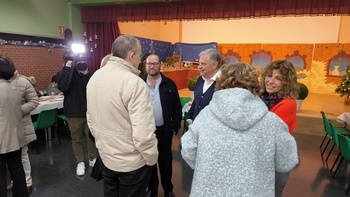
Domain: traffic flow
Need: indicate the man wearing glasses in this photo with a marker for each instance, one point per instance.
(167, 114)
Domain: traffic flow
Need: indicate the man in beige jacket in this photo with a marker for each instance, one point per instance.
(120, 117)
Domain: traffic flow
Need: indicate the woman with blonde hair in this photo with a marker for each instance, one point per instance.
(105, 60)
(279, 91)
(235, 144)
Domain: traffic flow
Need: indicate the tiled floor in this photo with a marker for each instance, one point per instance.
(53, 170)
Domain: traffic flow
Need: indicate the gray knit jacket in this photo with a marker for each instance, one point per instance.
(235, 145)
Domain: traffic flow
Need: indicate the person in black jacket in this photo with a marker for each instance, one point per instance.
(168, 114)
(209, 70)
(72, 81)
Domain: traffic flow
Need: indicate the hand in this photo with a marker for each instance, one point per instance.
(69, 63)
(84, 72)
(189, 121)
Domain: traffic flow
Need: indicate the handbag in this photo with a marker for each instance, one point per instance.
(96, 172)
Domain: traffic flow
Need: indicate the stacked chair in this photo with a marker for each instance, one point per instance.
(344, 143)
(335, 138)
(328, 133)
(340, 136)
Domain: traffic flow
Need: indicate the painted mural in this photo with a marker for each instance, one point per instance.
(337, 65)
(315, 78)
(319, 66)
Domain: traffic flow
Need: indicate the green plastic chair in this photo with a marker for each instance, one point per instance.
(46, 119)
(185, 100)
(65, 123)
(329, 132)
(344, 145)
(325, 126)
(335, 132)
(62, 117)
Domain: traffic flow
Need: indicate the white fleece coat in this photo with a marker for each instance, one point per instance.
(235, 145)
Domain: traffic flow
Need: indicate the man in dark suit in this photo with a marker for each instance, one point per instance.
(168, 114)
(209, 68)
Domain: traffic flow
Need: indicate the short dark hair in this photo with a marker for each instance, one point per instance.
(54, 79)
(7, 67)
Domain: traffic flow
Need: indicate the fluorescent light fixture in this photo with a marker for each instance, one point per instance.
(78, 48)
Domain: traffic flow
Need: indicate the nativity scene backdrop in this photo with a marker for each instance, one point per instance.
(319, 66)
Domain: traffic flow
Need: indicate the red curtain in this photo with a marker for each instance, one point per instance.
(209, 9)
(99, 37)
(102, 20)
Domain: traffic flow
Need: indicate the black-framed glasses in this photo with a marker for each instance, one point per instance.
(152, 63)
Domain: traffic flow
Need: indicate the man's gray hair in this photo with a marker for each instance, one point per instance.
(214, 55)
(123, 45)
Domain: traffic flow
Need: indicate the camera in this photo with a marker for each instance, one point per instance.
(76, 49)
(77, 58)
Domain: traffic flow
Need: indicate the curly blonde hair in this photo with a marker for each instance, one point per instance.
(32, 80)
(240, 75)
(105, 60)
(290, 88)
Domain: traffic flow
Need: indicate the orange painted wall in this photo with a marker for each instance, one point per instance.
(168, 31)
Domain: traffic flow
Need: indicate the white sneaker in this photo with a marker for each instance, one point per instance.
(81, 169)
(92, 162)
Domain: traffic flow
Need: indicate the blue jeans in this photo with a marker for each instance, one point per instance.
(126, 184)
(14, 164)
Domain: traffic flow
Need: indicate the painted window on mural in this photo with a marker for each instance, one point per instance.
(231, 57)
(260, 59)
(297, 60)
(337, 65)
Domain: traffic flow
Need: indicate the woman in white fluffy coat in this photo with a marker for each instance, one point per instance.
(235, 145)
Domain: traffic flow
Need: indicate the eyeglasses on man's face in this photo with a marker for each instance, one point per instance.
(152, 63)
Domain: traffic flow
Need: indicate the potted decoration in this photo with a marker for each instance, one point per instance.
(192, 83)
(303, 93)
(344, 87)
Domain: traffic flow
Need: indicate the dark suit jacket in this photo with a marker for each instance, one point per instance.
(200, 100)
(171, 105)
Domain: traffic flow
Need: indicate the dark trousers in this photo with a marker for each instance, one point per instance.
(165, 160)
(14, 164)
(126, 184)
(281, 179)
